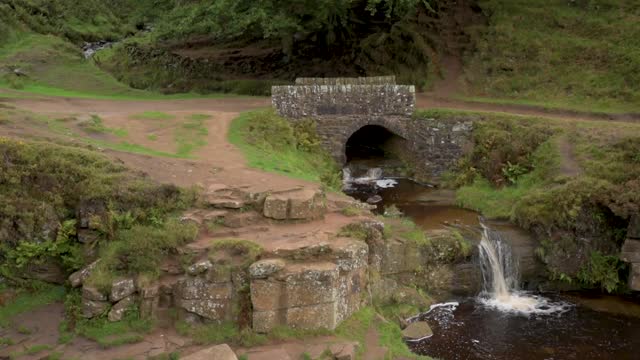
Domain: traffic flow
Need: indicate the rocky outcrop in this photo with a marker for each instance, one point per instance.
(310, 294)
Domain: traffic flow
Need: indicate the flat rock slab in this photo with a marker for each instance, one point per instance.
(417, 330)
(631, 251)
(218, 352)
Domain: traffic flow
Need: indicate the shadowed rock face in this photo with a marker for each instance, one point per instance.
(631, 252)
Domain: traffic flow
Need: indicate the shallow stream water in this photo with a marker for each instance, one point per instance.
(516, 324)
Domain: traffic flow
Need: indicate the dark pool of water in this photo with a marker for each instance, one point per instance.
(592, 327)
(473, 331)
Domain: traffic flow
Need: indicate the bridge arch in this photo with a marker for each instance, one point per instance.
(372, 137)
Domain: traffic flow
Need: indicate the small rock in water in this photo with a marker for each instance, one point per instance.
(374, 199)
(417, 330)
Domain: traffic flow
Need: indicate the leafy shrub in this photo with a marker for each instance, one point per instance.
(603, 271)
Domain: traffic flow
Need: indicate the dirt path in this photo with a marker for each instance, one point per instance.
(568, 164)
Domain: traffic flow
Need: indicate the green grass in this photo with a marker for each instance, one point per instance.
(389, 333)
(269, 143)
(153, 115)
(560, 105)
(581, 55)
(191, 135)
(96, 125)
(108, 334)
(29, 300)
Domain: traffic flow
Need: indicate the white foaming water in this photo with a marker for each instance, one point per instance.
(500, 275)
(372, 177)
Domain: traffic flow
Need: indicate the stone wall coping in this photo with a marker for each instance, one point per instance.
(370, 80)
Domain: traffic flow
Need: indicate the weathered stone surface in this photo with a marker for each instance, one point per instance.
(117, 311)
(199, 267)
(91, 293)
(218, 352)
(216, 310)
(311, 284)
(77, 278)
(222, 196)
(631, 251)
(305, 204)
(302, 101)
(197, 288)
(265, 268)
(90, 212)
(633, 231)
(91, 309)
(368, 80)
(634, 277)
(210, 300)
(238, 220)
(122, 288)
(309, 295)
(302, 204)
(276, 207)
(417, 330)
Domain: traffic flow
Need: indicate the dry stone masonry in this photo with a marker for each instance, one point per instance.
(342, 106)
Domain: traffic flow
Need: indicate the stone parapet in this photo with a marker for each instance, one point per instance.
(301, 101)
(369, 80)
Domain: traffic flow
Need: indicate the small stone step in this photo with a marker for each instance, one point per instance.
(305, 204)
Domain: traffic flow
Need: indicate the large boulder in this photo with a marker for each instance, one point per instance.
(208, 298)
(122, 288)
(633, 231)
(417, 330)
(91, 308)
(218, 352)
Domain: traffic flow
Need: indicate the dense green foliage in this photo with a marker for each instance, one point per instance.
(271, 143)
(44, 186)
(579, 54)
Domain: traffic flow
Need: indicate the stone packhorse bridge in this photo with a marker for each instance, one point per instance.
(343, 106)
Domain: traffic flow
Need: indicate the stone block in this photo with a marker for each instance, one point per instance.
(265, 321)
(266, 294)
(321, 316)
(215, 310)
(276, 207)
(311, 284)
(122, 288)
(198, 288)
(91, 308)
(118, 310)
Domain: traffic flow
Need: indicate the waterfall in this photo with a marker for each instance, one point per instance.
(500, 275)
(499, 267)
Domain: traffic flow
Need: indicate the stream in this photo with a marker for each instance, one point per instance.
(503, 321)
